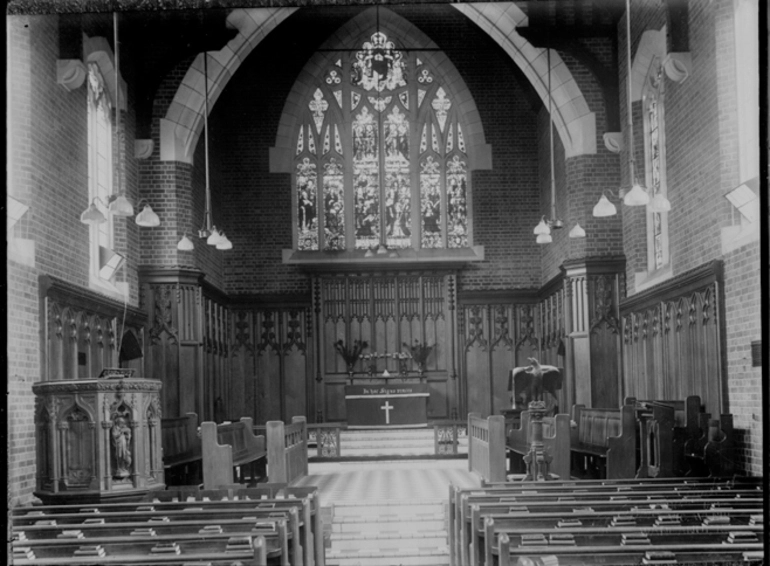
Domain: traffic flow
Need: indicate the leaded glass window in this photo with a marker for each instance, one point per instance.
(655, 165)
(383, 139)
(99, 161)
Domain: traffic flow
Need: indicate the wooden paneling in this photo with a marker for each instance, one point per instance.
(81, 331)
(673, 339)
(391, 312)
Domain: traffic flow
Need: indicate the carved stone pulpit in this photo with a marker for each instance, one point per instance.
(98, 440)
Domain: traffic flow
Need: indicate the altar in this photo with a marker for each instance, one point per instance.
(379, 405)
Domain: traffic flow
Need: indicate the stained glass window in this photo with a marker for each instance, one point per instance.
(99, 161)
(391, 173)
(655, 165)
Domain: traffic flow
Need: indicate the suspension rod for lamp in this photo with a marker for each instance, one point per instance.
(550, 134)
(632, 158)
(117, 98)
(206, 136)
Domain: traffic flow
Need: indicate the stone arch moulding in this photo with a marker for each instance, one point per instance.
(652, 44)
(183, 122)
(97, 50)
(574, 120)
(406, 34)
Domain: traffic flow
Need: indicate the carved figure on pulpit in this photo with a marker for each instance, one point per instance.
(121, 443)
(535, 382)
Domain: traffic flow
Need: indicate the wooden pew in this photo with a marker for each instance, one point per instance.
(670, 552)
(230, 451)
(712, 453)
(486, 446)
(604, 441)
(214, 550)
(287, 450)
(669, 505)
(556, 442)
(182, 454)
(461, 499)
(290, 522)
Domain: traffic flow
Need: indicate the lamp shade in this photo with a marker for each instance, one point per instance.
(544, 239)
(147, 218)
(604, 208)
(637, 196)
(659, 203)
(542, 228)
(92, 215)
(577, 231)
(121, 207)
(224, 243)
(214, 238)
(185, 244)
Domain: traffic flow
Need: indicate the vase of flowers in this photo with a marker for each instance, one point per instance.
(420, 353)
(351, 354)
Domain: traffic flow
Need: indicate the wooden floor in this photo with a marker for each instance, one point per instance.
(386, 480)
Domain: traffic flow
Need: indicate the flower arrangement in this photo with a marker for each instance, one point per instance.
(351, 355)
(419, 353)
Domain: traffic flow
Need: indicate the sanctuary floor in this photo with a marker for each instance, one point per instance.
(388, 480)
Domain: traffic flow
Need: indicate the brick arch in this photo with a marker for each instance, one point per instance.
(351, 33)
(183, 122)
(574, 121)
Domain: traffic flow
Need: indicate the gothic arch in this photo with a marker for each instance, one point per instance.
(574, 121)
(406, 34)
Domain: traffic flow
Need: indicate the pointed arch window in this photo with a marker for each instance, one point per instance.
(380, 156)
(100, 171)
(655, 165)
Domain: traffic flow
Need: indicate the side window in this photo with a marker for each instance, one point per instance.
(100, 173)
(653, 100)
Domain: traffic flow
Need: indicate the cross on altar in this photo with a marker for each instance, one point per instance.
(387, 407)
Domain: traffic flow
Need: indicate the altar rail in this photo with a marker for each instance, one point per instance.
(286, 450)
(486, 447)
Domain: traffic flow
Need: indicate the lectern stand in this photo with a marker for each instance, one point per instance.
(97, 440)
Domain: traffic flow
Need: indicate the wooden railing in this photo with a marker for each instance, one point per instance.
(286, 450)
(486, 446)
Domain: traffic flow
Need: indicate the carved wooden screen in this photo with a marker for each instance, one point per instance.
(270, 362)
(392, 313)
(494, 338)
(672, 340)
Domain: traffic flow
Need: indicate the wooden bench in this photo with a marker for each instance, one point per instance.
(712, 453)
(560, 498)
(289, 522)
(556, 443)
(688, 548)
(287, 450)
(460, 500)
(604, 442)
(231, 453)
(182, 454)
(486, 446)
(668, 505)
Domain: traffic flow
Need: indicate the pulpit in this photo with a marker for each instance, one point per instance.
(98, 439)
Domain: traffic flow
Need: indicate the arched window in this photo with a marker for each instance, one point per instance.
(655, 164)
(380, 158)
(99, 165)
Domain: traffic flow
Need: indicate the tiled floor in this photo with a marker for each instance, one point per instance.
(388, 480)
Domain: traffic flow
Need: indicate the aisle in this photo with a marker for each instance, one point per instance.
(388, 512)
(388, 479)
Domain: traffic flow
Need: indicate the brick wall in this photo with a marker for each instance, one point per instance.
(701, 166)
(245, 119)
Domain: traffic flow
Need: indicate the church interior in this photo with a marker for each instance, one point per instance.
(528, 231)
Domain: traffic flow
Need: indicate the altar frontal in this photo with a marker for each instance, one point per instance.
(387, 405)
